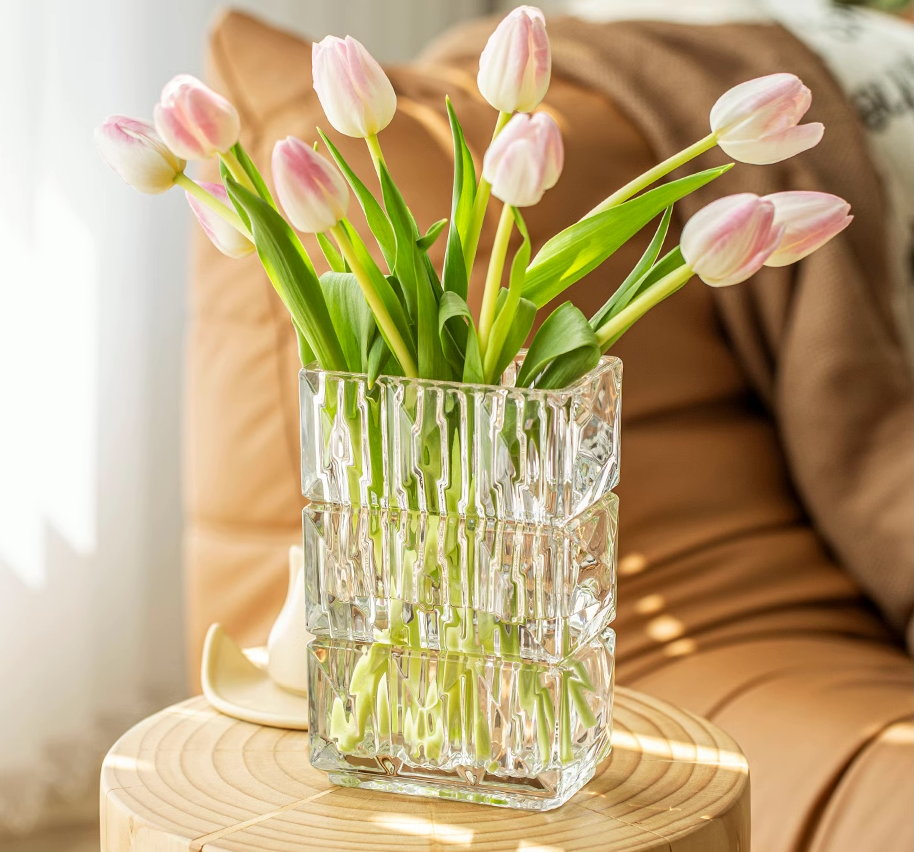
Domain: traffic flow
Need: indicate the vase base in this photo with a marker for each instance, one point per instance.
(469, 785)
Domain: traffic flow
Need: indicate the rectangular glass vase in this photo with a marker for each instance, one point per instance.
(460, 554)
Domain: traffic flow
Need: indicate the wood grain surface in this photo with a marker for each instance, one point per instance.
(190, 778)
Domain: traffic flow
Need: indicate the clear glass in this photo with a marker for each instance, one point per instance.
(483, 729)
(464, 532)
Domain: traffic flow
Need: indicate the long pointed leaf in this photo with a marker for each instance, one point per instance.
(252, 172)
(374, 213)
(350, 313)
(582, 247)
(285, 261)
(383, 288)
(519, 330)
(455, 277)
(407, 261)
(334, 258)
(624, 293)
(454, 311)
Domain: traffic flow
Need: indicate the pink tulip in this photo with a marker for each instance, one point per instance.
(194, 121)
(223, 236)
(729, 240)
(353, 89)
(310, 189)
(810, 220)
(758, 121)
(516, 63)
(134, 150)
(525, 159)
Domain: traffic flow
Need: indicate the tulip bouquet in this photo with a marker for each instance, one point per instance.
(460, 538)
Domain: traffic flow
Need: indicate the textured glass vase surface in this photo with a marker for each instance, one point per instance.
(460, 553)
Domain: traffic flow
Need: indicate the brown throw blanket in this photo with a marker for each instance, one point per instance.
(819, 340)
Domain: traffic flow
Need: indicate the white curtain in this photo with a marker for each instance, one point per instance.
(92, 311)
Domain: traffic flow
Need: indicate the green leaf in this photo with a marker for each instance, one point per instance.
(305, 354)
(432, 362)
(377, 356)
(505, 316)
(564, 348)
(464, 176)
(226, 176)
(350, 313)
(251, 171)
(517, 335)
(661, 269)
(432, 234)
(668, 264)
(418, 289)
(287, 264)
(334, 258)
(406, 263)
(454, 311)
(374, 213)
(455, 274)
(630, 285)
(582, 247)
(383, 287)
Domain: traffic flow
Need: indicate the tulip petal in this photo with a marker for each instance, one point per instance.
(312, 192)
(811, 219)
(776, 147)
(525, 159)
(356, 95)
(195, 122)
(516, 63)
(222, 235)
(133, 149)
(756, 106)
(729, 240)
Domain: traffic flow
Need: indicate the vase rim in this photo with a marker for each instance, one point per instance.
(607, 363)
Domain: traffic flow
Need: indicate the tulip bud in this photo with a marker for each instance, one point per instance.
(525, 159)
(223, 236)
(729, 240)
(353, 89)
(516, 63)
(194, 121)
(134, 150)
(310, 189)
(810, 220)
(758, 121)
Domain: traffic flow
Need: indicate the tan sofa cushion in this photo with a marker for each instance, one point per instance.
(730, 604)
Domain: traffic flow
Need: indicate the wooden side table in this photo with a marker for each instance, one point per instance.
(190, 778)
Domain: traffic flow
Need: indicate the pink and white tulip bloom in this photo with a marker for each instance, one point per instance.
(810, 220)
(729, 240)
(195, 122)
(353, 89)
(311, 190)
(516, 63)
(525, 159)
(134, 150)
(223, 236)
(758, 121)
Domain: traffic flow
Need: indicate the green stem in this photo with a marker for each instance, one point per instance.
(654, 174)
(483, 190)
(493, 276)
(612, 329)
(213, 203)
(383, 318)
(377, 156)
(238, 172)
